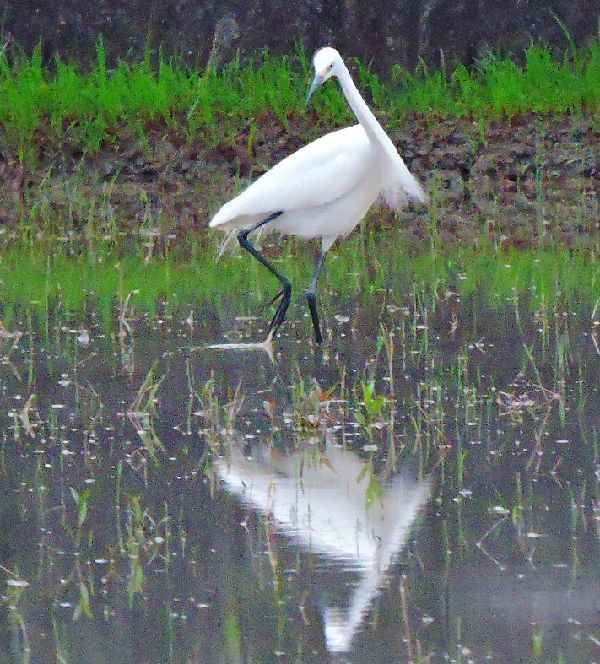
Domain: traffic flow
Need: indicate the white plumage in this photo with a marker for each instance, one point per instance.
(325, 188)
(321, 504)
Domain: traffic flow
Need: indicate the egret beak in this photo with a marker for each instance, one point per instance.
(318, 79)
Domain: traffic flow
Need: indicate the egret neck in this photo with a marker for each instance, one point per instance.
(363, 113)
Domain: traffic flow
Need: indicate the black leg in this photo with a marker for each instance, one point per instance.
(286, 287)
(311, 298)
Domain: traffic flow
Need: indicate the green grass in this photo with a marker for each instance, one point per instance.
(498, 87)
(542, 278)
(92, 107)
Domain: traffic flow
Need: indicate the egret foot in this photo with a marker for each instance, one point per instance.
(274, 299)
(286, 288)
(311, 298)
(286, 295)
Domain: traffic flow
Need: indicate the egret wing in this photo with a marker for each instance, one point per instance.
(318, 173)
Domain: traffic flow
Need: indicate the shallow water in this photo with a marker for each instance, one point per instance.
(424, 488)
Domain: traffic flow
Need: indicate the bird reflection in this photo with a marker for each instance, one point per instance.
(320, 501)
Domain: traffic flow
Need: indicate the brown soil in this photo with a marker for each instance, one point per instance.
(509, 182)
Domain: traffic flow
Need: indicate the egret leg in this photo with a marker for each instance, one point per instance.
(311, 298)
(286, 286)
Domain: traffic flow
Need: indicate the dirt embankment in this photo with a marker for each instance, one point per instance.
(510, 182)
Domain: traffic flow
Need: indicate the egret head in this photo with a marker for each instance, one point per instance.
(327, 62)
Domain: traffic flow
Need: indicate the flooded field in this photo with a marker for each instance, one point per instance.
(423, 488)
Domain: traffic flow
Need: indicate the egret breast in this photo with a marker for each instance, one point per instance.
(338, 217)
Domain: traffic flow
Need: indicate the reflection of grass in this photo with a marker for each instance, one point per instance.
(497, 276)
(90, 108)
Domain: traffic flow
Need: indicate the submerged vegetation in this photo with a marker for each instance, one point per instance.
(90, 108)
(119, 435)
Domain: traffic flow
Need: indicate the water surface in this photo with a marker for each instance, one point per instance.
(424, 488)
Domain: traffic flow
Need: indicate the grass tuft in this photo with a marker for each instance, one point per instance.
(91, 108)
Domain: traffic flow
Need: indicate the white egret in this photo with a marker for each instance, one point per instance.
(320, 502)
(324, 189)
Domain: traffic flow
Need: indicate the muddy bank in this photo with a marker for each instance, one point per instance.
(517, 184)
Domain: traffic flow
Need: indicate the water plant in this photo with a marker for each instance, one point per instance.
(142, 410)
(372, 414)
